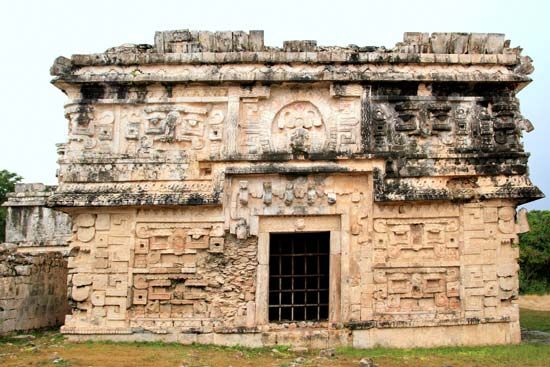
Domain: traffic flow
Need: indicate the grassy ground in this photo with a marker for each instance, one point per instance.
(48, 348)
(535, 320)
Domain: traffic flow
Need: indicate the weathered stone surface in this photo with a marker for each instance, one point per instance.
(33, 269)
(32, 289)
(32, 225)
(184, 157)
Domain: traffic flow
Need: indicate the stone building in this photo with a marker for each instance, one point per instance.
(33, 263)
(223, 191)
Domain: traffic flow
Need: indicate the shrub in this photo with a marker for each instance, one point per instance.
(534, 255)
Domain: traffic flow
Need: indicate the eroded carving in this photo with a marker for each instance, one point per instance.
(414, 290)
(300, 127)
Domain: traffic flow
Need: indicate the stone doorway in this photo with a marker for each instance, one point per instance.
(299, 267)
(321, 225)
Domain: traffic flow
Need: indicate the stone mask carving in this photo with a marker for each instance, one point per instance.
(299, 128)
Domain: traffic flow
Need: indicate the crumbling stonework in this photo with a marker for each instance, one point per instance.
(33, 264)
(32, 289)
(184, 158)
(31, 225)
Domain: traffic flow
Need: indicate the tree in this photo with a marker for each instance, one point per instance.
(534, 255)
(7, 184)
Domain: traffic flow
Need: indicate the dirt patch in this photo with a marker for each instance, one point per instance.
(535, 302)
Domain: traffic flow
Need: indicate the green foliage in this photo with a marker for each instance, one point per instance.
(7, 184)
(534, 255)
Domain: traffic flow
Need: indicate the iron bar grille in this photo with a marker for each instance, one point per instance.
(299, 276)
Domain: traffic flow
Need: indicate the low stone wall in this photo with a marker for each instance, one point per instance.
(535, 302)
(30, 224)
(32, 289)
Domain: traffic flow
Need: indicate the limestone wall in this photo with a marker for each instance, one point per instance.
(33, 263)
(30, 224)
(32, 289)
(176, 271)
(176, 275)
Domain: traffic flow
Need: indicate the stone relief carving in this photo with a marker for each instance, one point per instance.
(409, 124)
(100, 250)
(485, 128)
(90, 128)
(257, 137)
(300, 127)
(480, 240)
(164, 262)
(416, 239)
(408, 116)
(416, 290)
(105, 126)
(161, 124)
(80, 120)
(380, 127)
(508, 124)
(303, 195)
(489, 233)
(197, 127)
(462, 126)
(348, 112)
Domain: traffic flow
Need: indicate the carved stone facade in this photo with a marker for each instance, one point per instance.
(186, 157)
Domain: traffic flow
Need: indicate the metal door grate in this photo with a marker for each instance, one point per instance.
(299, 276)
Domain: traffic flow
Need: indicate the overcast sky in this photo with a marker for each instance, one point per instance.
(34, 33)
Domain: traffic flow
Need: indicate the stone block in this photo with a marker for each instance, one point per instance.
(216, 244)
(98, 298)
(140, 297)
(256, 40)
(440, 43)
(23, 270)
(300, 46)
(494, 43)
(85, 220)
(223, 41)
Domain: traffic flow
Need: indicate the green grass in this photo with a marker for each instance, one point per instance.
(535, 320)
(507, 355)
(247, 351)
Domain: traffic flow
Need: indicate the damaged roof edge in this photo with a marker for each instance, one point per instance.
(204, 47)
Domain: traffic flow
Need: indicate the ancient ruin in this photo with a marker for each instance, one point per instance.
(33, 261)
(223, 191)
